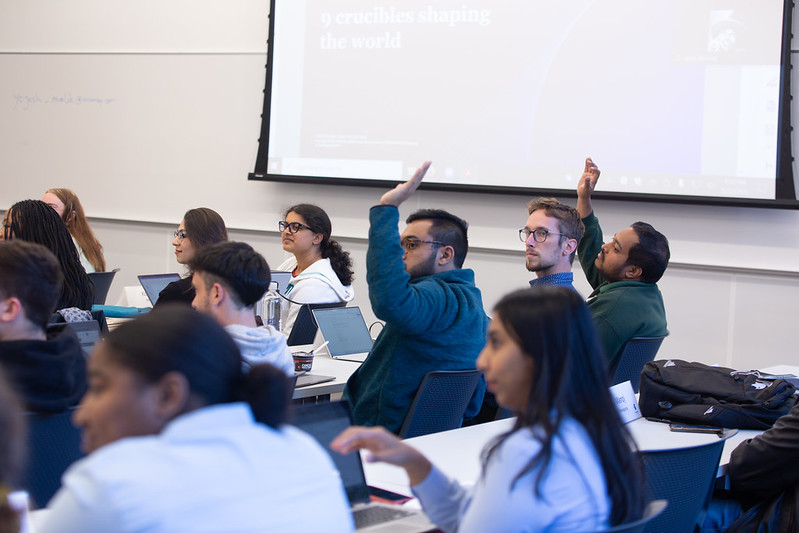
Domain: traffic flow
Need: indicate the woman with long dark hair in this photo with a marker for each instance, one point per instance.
(181, 437)
(199, 228)
(567, 464)
(35, 221)
(321, 269)
(68, 206)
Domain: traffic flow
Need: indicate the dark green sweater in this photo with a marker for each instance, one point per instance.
(621, 309)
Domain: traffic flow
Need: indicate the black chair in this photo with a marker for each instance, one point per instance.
(653, 509)
(304, 329)
(685, 477)
(53, 445)
(102, 283)
(440, 402)
(637, 352)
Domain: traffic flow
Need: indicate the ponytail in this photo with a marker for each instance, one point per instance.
(339, 260)
(268, 391)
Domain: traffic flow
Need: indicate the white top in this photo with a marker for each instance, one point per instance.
(84, 261)
(263, 344)
(573, 495)
(317, 284)
(214, 469)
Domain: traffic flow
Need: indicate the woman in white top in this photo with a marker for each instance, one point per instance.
(181, 440)
(321, 269)
(567, 464)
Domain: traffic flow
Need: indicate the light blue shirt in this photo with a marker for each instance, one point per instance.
(213, 469)
(573, 491)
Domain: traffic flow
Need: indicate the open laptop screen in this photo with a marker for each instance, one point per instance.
(345, 330)
(324, 421)
(153, 284)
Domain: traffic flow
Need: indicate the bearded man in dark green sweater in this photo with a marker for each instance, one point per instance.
(626, 301)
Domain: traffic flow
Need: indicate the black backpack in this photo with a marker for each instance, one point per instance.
(712, 396)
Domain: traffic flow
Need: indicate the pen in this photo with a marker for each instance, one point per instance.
(313, 352)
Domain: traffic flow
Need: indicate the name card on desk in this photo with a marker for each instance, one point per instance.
(624, 398)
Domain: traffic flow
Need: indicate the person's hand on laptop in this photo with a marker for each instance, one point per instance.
(385, 447)
(403, 191)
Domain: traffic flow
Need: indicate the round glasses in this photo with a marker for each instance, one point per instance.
(180, 234)
(540, 234)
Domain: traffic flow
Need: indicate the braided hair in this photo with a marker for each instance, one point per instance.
(35, 221)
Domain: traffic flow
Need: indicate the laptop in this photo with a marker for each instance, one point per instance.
(324, 421)
(282, 278)
(303, 333)
(345, 331)
(153, 284)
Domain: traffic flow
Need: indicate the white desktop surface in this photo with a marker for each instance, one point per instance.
(325, 365)
(457, 452)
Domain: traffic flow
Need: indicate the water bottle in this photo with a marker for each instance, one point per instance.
(271, 306)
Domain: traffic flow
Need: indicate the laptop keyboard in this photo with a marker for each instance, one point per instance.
(370, 516)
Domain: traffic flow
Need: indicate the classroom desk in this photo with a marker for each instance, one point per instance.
(457, 452)
(325, 365)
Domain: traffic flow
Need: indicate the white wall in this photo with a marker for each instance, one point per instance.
(168, 119)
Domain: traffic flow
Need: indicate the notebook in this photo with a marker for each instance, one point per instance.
(153, 284)
(324, 421)
(345, 331)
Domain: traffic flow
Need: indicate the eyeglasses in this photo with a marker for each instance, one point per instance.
(180, 234)
(293, 227)
(409, 243)
(540, 234)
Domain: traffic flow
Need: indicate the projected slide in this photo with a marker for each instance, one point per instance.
(676, 97)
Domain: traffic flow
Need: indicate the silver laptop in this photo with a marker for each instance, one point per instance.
(283, 278)
(153, 284)
(345, 331)
(324, 421)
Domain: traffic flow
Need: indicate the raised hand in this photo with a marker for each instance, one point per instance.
(586, 186)
(403, 191)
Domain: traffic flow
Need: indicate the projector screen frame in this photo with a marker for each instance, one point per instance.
(785, 190)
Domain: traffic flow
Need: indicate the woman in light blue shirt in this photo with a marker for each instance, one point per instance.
(567, 464)
(180, 439)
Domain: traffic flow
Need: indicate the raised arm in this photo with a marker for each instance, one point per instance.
(403, 191)
(585, 188)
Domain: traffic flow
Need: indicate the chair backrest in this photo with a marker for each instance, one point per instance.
(685, 477)
(304, 329)
(637, 352)
(102, 282)
(653, 509)
(53, 445)
(440, 402)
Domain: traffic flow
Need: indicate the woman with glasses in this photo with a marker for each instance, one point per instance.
(321, 271)
(199, 228)
(567, 464)
(181, 437)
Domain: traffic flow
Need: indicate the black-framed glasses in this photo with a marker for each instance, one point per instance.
(539, 234)
(410, 243)
(180, 234)
(293, 227)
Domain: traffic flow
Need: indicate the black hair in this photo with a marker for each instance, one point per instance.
(236, 265)
(552, 326)
(204, 227)
(651, 253)
(35, 221)
(447, 229)
(316, 219)
(30, 272)
(176, 338)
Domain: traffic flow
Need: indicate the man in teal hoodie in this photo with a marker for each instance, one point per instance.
(432, 309)
(626, 301)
